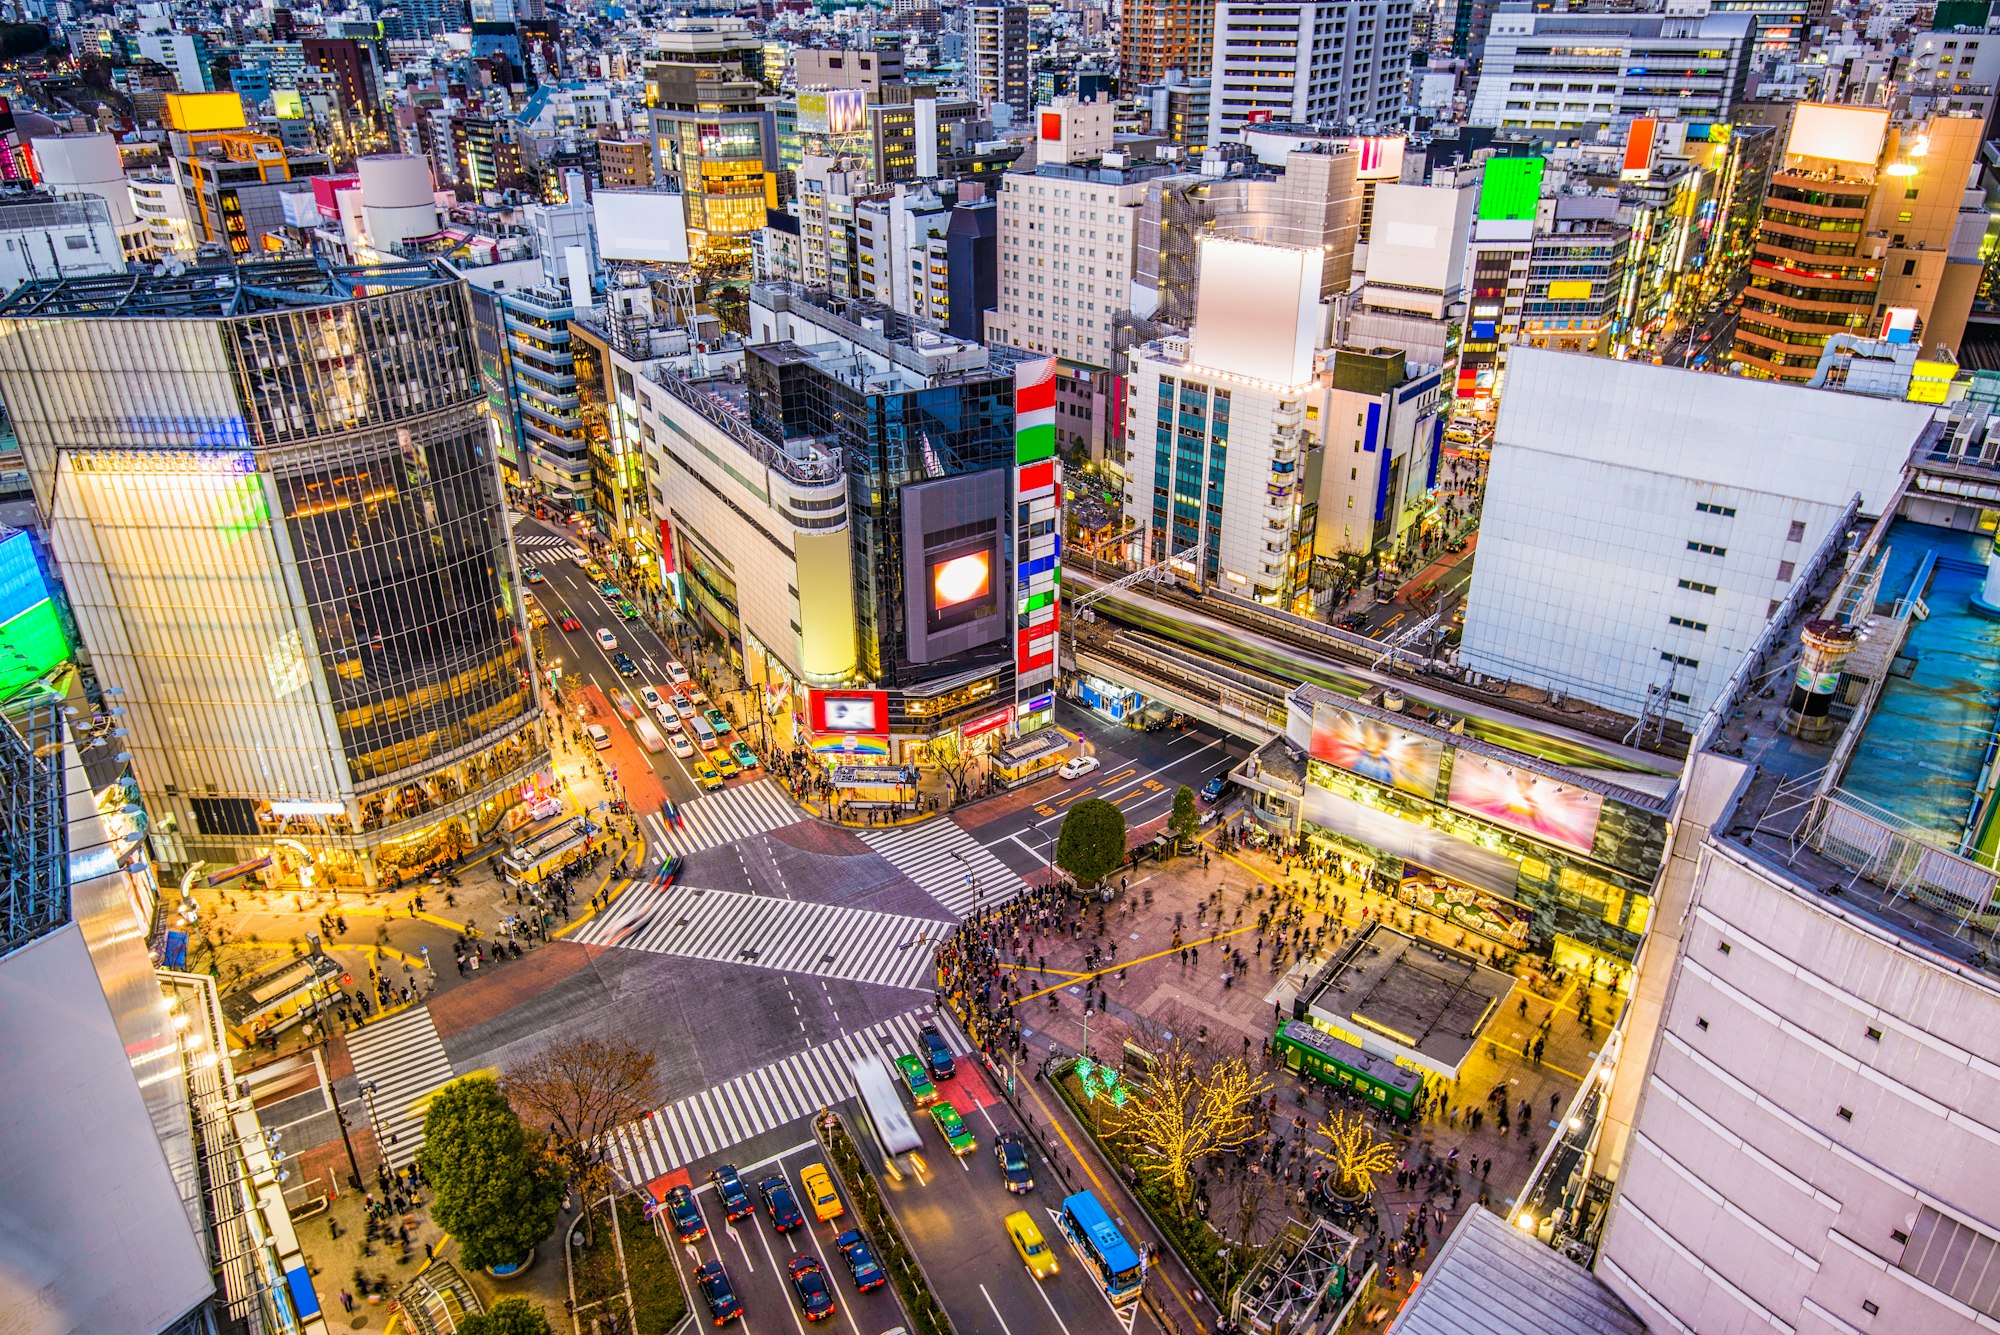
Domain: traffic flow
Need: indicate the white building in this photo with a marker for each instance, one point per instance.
(1069, 235)
(1379, 434)
(1217, 433)
(43, 239)
(1567, 71)
(1340, 62)
(1641, 523)
(1413, 275)
(899, 254)
(160, 206)
(89, 164)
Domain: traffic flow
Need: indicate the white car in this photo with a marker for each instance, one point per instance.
(683, 706)
(606, 640)
(676, 673)
(682, 746)
(669, 719)
(1077, 768)
(652, 699)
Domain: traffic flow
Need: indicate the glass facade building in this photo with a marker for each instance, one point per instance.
(273, 494)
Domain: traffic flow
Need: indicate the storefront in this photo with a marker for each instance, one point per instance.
(1030, 757)
(873, 787)
(1107, 698)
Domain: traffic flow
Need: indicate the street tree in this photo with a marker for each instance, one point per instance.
(509, 1316)
(954, 762)
(495, 1189)
(1184, 1107)
(1092, 843)
(1186, 820)
(1354, 1152)
(582, 1089)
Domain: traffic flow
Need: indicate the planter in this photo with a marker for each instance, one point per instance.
(1344, 1204)
(512, 1270)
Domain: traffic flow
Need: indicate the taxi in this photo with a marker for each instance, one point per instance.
(724, 766)
(705, 775)
(1035, 1253)
(917, 1080)
(819, 1190)
(952, 1127)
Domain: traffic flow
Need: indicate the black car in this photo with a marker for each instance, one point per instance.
(686, 1215)
(860, 1261)
(1013, 1157)
(784, 1211)
(729, 1188)
(809, 1283)
(626, 667)
(937, 1057)
(713, 1281)
(1212, 790)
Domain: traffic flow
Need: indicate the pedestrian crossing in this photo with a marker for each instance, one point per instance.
(947, 864)
(820, 940)
(404, 1059)
(688, 1131)
(540, 542)
(724, 816)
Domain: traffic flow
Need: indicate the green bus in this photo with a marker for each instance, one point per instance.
(1308, 1050)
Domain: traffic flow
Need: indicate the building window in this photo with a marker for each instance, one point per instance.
(1785, 569)
(1704, 507)
(1845, 1114)
(1708, 549)
(1797, 532)
(1874, 1034)
(1697, 586)
(1685, 624)
(1953, 1258)
(1679, 660)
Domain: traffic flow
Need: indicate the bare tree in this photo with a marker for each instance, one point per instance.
(581, 1089)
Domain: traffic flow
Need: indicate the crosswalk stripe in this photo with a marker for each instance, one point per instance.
(405, 1059)
(816, 940)
(729, 814)
(930, 854)
(703, 1125)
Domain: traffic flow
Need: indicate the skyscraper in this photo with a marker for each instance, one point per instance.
(1159, 36)
(997, 57)
(1345, 61)
(284, 540)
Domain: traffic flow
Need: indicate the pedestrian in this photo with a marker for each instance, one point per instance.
(346, 1301)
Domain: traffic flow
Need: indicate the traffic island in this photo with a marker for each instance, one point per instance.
(622, 1266)
(912, 1287)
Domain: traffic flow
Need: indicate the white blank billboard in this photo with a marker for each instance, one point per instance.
(1418, 237)
(1257, 311)
(1844, 134)
(648, 226)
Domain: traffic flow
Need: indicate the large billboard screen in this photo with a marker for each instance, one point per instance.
(954, 571)
(1838, 133)
(849, 711)
(832, 110)
(1509, 189)
(646, 226)
(1517, 797)
(1376, 750)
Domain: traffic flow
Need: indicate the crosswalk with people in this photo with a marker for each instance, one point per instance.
(689, 1131)
(947, 864)
(403, 1059)
(724, 816)
(794, 936)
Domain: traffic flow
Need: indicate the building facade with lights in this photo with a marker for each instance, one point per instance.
(281, 528)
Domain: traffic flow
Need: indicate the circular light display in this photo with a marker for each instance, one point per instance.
(960, 579)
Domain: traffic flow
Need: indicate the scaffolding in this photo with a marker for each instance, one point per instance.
(34, 830)
(1301, 1277)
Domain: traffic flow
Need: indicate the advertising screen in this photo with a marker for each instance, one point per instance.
(832, 110)
(849, 711)
(1375, 750)
(1518, 798)
(1510, 189)
(1492, 916)
(1841, 133)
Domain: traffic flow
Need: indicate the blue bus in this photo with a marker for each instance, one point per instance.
(1100, 1246)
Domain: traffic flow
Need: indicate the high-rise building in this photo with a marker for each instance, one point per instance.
(350, 65)
(1868, 227)
(232, 178)
(996, 56)
(1686, 67)
(1333, 62)
(714, 137)
(1158, 38)
(285, 542)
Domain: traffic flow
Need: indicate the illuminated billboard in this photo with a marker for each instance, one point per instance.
(832, 110)
(958, 580)
(1376, 750)
(31, 630)
(849, 711)
(1517, 797)
(287, 105)
(196, 112)
(1509, 189)
(1837, 133)
(953, 564)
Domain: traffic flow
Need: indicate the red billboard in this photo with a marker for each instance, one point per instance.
(849, 711)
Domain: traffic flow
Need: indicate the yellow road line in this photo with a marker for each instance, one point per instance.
(1143, 959)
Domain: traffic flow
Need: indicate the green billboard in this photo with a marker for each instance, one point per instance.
(1509, 189)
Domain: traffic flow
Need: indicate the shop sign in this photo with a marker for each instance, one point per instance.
(997, 719)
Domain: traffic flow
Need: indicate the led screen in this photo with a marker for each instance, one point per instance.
(1375, 750)
(1510, 189)
(1517, 797)
(961, 579)
(850, 711)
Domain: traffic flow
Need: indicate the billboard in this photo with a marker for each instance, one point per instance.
(644, 225)
(195, 112)
(1509, 189)
(1257, 311)
(1038, 530)
(848, 711)
(1639, 149)
(1376, 750)
(961, 585)
(1466, 907)
(954, 564)
(1838, 133)
(832, 110)
(1517, 797)
(31, 630)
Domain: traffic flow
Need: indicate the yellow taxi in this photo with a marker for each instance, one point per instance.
(819, 1190)
(1036, 1254)
(724, 766)
(705, 775)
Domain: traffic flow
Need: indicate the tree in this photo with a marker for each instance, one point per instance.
(1186, 821)
(509, 1316)
(583, 1089)
(495, 1189)
(1184, 1107)
(1092, 843)
(954, 762)
(1354, 1152)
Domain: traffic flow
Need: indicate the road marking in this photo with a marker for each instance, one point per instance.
(996, 1310)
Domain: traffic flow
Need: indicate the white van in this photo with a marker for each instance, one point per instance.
(648, 735)
(704, 735)
(599, 738)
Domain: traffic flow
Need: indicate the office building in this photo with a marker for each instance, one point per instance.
(714, 138)
(162, 211)
(1069, 238)
(1161, 38)
(1868, 226)
(1413, 285)
(624, 163)
(864, 71)
(996, 57)
(188, 55)
(232, 179)
(1641, 523)
(1379, 449)
(1576, 275)
(296, 572)
(972, 267)
(1336, 62)
(1670, 66)
(349, 65)
(1511, 211)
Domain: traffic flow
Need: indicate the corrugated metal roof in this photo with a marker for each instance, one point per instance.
(1492, 1279)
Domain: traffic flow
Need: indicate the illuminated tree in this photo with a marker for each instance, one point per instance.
(1354, 1152)
(1185, 1107)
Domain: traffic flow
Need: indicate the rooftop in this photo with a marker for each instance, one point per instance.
(212, 292)
(1426, 1001)
(1490, 1278)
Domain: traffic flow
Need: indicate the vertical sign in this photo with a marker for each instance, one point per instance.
(1038, 531)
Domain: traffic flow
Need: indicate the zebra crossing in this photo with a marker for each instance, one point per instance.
(821, 940)
(947, 864)
(726, 815)
(539, 542)
(692, 1129)
(404, 1059)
